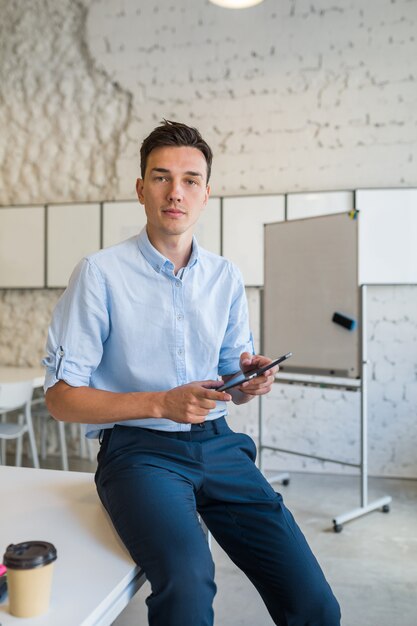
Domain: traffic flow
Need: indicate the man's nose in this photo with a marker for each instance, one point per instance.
(175, 192)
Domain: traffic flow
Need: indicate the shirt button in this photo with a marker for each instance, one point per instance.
(180, 351)
(180, 317)
(178, 283)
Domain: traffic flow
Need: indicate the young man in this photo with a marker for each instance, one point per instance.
(135, 348)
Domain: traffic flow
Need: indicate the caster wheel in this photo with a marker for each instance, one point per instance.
(286, 481)
(337, 528)
(385, 508)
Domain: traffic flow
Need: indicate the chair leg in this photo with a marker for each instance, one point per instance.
(63, 445)
(83, 450)
(3, 441)
(19, 442)
(86, 448)
(31, 434)
(43, 436)
(89, 446)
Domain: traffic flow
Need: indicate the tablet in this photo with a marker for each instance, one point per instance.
(242, 377)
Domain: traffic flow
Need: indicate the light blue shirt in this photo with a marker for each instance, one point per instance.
(127, 323)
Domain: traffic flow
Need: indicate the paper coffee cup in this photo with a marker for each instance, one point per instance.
(29, 577)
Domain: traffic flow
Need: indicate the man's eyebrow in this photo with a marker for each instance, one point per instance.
(163, 170)
(190, 173)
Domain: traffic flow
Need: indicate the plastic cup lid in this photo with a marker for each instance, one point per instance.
(29, 554)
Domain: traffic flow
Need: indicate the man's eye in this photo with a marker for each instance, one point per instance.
(161, 178)
(191, 182)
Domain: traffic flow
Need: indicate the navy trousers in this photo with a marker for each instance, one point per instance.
(154, 483)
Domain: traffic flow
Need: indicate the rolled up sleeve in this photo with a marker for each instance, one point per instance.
(79, 328)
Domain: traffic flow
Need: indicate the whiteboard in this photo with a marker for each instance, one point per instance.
(208, 226)
(122, 220)
(310, 274)
(243, 237)
(73, 232)
(387, 236)
(22, 247)
(300, 205)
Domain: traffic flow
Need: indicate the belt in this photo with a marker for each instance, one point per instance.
(207, 426)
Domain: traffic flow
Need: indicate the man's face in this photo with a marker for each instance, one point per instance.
(173, 191)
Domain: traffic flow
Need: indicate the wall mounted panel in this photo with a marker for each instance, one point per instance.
(243, 232)
(22, 247)
(73, 232)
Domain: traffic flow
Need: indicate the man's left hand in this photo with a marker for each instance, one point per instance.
(261, 384)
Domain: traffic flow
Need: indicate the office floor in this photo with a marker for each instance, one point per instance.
(371, 564)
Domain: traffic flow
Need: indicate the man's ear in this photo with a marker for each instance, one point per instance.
(207, 195)
(139, 190)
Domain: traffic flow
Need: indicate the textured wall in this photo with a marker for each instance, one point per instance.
(324, 93)
(62, 120)
(293, 95)
(24, 320)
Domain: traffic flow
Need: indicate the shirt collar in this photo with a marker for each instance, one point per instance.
(157, 260)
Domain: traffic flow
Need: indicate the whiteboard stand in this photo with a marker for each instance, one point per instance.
(365, 506)
(384, 502)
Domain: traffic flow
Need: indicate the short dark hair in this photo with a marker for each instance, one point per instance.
(174, 134)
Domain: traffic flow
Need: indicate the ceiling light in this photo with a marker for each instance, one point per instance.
(236, 4)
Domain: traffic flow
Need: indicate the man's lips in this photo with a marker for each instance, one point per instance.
(173, 211)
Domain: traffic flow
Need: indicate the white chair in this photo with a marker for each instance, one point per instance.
(40, 411)
(85, 445)
(13, 397)
(76, 431)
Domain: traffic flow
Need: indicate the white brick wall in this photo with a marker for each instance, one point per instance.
(293, 95)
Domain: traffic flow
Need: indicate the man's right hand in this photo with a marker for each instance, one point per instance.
(191, 403)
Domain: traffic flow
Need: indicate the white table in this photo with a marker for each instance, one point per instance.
(94, 576)
(10, 374)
